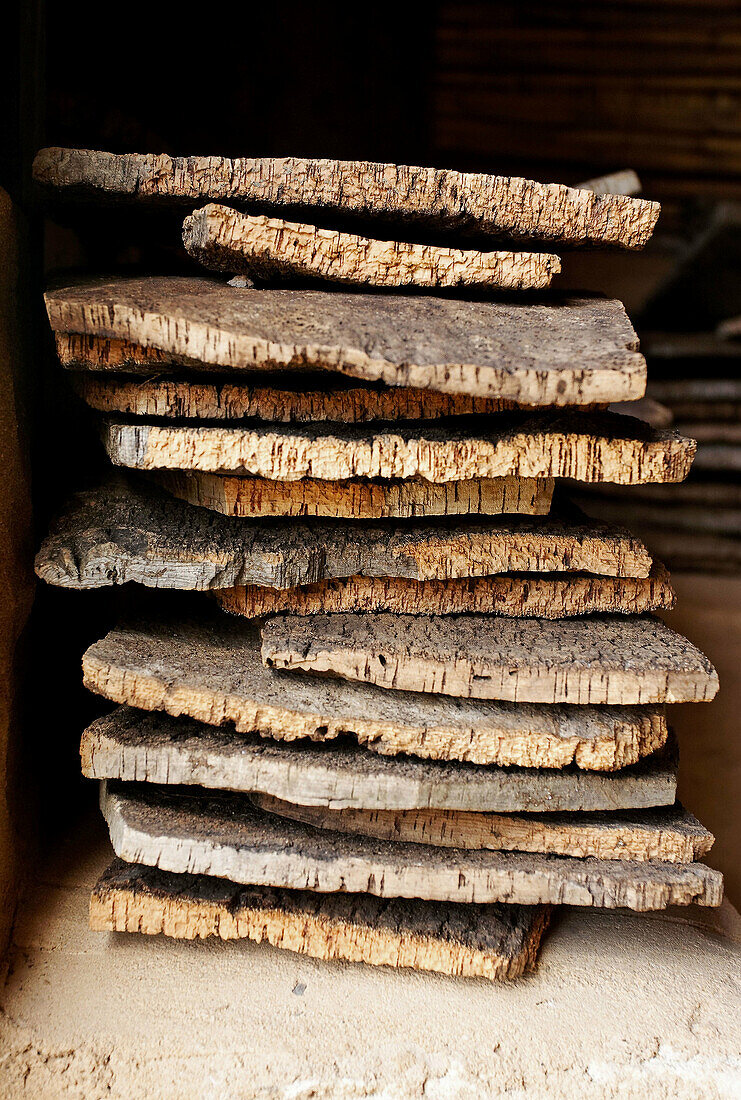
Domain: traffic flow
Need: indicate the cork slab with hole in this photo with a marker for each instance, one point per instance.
(438, 199)
(124, 531)
(225, 835)
(262, 498)
(271, 250)
(212, 672)
(558, 351)
(670, 835)
(548, 596)
(605, 659)
(599, 447)
(482, 941)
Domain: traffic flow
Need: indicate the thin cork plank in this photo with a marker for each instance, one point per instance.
(668, 835)
(556, 351)
(305, 399)
(127, 532)
(599, 447)
(263, 498)
(226, 836)
(498, 942)
(212, 673)
(605, 659)
(437, 199)
(545, 597)
(271, 250)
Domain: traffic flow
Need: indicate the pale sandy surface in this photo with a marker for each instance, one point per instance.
(622, 1006)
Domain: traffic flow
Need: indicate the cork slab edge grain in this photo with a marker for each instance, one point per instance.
(212, 673)
(586, 351)
(497, 942)
(605, 659)
(501, 206)
(226, 836)
(272, 250)
(599, 447)
(668, 835)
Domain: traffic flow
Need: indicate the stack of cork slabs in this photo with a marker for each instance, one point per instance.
(435, 707)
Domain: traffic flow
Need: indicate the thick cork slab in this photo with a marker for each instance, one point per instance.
(473, 941)
(600, 447)
(600, 660)
(226, 836)
(308, 398)
(274, 251)
(559, 351)
(137, 746)
(544, 597)
(438, 199)
(212, 672)
(668, 835)
(127, 532)
(261, 498)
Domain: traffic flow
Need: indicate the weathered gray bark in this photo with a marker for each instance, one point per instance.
(490, 941)
(560, 351)
(601, 660)
(226, 836)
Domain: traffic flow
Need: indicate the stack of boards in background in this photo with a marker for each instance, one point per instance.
(436, 706)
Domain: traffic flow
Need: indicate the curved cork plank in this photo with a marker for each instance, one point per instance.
(543, 597)
(601, 447)
(559, 351)
(497, 942)
(212, 672)
(127, 532)
(667, 835)
(606, 659)
(310, 400)
(275, 251)
(135, 746)
(259, 497)
(226, 836)
(437, 198)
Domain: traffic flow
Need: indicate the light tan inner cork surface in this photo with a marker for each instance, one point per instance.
(622, 1006)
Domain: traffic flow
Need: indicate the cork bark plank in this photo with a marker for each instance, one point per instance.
(439, 200)
(211, 672)
(600, 447)
(605, 659)
(308, 399)
(226, 836)
(545, 597)
(145, 747)
(358, 499)
(498, 942)
(271, 250)
(556, 351)
(669, 835)
(124, 531)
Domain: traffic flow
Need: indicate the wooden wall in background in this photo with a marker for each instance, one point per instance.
(574, 89)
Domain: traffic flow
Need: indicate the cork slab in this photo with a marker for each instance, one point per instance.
(299, 398)
(667, 835)
(212, 672)
(272, 250)
(226, 836)
(560, 351)
(259, 498)
(438, 199)
(483, 941)
(605, 659)
(123, 532)
(599, 447)
(548, 596)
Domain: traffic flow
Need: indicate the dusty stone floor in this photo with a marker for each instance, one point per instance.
(622, 1005)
